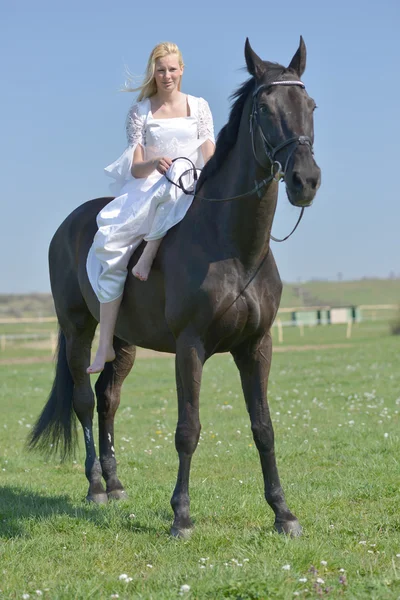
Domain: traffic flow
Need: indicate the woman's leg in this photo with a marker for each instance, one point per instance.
(143, 266)
(108, 318)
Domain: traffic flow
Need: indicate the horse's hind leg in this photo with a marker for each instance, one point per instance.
(79, 332)
(108, 392)
(254, 361)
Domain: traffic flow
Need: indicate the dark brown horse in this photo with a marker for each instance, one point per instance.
(214, 288)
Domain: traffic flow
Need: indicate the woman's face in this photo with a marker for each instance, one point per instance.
(168, 73)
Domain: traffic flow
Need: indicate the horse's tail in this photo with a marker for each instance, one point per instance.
(55, 429)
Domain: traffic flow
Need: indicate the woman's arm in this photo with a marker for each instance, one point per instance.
(143, 168)
(207, 150)
(206, 129)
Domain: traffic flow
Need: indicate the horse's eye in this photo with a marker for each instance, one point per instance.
(263, 109)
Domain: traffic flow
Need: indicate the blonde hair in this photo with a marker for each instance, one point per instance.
(148, 87)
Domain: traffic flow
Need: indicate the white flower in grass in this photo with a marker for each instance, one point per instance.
(397, 555)
(124, 577)
(342, 570)
(303, 579)
(363, 542)
(39, 593)
(286, 567)
(185, 588)
(25, 596)
(324, 563)
(320, 580)
(149, 566)
(114, 596)
(385, 435)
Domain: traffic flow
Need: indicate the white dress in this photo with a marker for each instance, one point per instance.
(145, 208)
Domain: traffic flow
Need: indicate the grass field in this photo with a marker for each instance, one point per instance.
(342, 293)
(335, 408)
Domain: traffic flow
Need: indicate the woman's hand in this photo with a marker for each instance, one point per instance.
(163, 164)
(144, 168)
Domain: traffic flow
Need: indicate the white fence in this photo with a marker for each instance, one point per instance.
(369, 312)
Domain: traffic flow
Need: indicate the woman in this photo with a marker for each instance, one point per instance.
(162, 125)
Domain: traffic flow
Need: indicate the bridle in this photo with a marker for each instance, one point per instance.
(276, 174)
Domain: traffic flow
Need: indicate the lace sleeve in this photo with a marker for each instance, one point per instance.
(135, 127)
(206, 125)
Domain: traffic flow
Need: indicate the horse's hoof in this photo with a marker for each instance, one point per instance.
(97, 498)
(290, 528)
(117, 495)
(181, 533)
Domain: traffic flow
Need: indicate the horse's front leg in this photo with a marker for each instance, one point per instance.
(254, 361)
(189, 368)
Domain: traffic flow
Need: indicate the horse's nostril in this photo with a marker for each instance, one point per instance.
(313, 182)
(297, 180)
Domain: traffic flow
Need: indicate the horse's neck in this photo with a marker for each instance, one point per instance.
(248, 220)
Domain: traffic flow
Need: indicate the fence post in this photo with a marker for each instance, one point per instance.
(280, 330)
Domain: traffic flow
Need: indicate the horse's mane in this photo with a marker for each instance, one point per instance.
(228, 135)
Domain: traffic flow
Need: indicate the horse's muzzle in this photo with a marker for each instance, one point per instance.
(302, 182)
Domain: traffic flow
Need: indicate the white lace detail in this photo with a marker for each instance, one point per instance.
(206, 125)
(135, 126)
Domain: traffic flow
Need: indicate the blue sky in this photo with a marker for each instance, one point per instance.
(62, 116)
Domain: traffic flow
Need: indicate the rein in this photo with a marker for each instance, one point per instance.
(277, 173)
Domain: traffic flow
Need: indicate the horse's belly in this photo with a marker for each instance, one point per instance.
(141, 319)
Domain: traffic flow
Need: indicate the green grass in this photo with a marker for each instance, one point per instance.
(342, 293)
(336, 419)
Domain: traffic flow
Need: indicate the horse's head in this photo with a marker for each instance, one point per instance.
(282, 120)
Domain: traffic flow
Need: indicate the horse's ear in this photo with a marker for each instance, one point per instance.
(298, 62)
(255, 65)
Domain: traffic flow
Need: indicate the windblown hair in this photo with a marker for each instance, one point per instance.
(228, 135)
(148, 87)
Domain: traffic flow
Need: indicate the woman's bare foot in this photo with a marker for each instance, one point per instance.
(143, 266)
(100, 360)
(142, 269)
